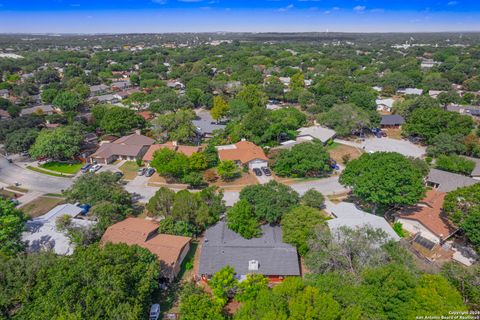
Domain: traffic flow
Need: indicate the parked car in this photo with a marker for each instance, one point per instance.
(118, 174)
(257, 172)
(149, 172)
(95, 168)
(154, 311)
(266, 171)
(141, 171)
(86, 167)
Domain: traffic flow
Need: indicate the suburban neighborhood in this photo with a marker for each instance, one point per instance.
(238, 176)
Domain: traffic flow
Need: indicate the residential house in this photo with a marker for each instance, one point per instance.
(124, 94)
(385, 105)
(40, 110)
(392, 121)
(131, 147)
(106, 98)
(348, 215)
(321, 133)
(98, 89)
(121, 85)
(146, 115)
(428, 64)
(427, 220)
(243, 153)
(169, 249)
(434, 93)
(175, 84)
(444, 181)
(267, 255)
(206, 125)
(465, 110)
(410, 91)
(42, 234)
(172, 145)
(4, 115)
(4, 93)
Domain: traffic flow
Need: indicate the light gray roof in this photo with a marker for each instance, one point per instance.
(448, 181)
(45, 109)
(222, 247)
(318, 132)
(205, 123)
(98, 88)
(348, 215)
(469, 110)
(392, 120)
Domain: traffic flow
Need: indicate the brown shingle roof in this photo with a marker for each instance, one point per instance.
(135, 139)
(141, 232)
(244, 151)
(430, 214)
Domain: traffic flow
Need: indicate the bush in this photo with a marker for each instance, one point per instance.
(313, 198)
(455, 164)
(398, 228)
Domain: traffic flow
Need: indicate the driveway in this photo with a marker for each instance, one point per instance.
(11, 173)
(374, 144)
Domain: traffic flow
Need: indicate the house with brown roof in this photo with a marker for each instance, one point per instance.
(169, 249)
(428, 219)
(243, 153)
(172, 145)
(129, 147)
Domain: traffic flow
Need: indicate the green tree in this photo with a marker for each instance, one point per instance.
(427, 123)
(297, 81)
(12, 224)
(60, 143)
(298, 226)
(200, 306)
(223, 283)
(345, 119)
(309, 159)
(220, 108)
(271, 200)
(447, 144)
(170, 163)
(249, 288)
(198, 161)
(121, 279)
(253, 96)
(384, 179)
(119, 120)
(459, 202)
(312, 305)
(313, 198)
(241, 219)
(67, 101)
(466, 280)
(160, 205)
(228, 170)
(20, 140)
(471, 226)
(363, 99)
(176, 126)
(48, 95)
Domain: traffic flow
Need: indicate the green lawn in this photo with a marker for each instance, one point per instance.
(48, 172)
(129, 170)
(62, 167)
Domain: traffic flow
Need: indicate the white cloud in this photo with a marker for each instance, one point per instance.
(359, 8)
(290, 6)
(452, 3)
(159, 1)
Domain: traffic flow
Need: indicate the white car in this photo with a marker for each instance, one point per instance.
(154, 311)
(95, 168)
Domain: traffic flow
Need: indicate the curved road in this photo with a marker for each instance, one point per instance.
(11, 173)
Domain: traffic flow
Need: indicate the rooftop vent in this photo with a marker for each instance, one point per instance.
(253, 265)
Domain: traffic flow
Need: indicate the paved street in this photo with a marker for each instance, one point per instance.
(31, 180)
(374, 144)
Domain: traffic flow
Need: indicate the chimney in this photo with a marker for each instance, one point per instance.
(175, 143)
(253, 265)
(138, 132)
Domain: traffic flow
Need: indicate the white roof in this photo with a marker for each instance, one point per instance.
(348, 215)
(387, 102)
(321, 133)
(42, 233)
(414, 91)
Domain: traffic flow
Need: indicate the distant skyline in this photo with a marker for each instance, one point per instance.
(152, 16)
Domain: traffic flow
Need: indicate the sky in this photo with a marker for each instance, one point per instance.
(149, 16)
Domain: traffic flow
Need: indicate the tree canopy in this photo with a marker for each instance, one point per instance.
(61, 143)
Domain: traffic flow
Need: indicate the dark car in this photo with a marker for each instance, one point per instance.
(118, 174)
(86, 167)
(149, 172)
(266, 171)
(141, 171)
(257, 172)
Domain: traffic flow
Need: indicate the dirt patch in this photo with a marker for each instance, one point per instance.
(341, 150)
(246, 179)
(41, 205)
(394, 133)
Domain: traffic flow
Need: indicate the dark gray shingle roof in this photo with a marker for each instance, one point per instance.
(392, 120)
(222, 247)
(448, 181)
